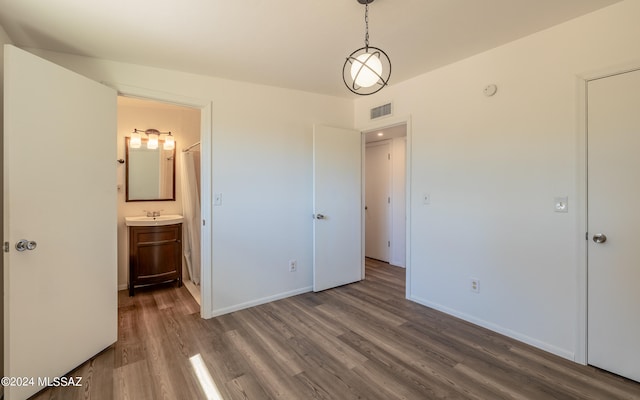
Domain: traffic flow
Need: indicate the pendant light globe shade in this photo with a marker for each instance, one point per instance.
(366, 70)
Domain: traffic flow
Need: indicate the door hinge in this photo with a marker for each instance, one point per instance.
(388, 156)
(6, 247)
(204, 222)
(388, 200)
(388, 243)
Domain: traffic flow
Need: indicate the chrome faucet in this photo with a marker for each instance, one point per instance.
(152, 213)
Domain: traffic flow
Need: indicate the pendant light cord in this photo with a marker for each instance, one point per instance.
(366, 23)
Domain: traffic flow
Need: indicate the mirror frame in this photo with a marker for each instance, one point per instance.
(173, 177)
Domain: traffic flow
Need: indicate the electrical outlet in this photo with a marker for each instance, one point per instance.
(293, 265)
(474, 285)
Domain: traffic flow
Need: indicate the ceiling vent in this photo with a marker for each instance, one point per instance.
(381, 111)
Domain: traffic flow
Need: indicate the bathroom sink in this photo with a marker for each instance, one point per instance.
(153, 221)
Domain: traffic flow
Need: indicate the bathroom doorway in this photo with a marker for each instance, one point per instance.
(184, 123)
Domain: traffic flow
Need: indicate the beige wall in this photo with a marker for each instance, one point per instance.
(493, 166)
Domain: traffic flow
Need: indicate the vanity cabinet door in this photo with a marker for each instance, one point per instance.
(155, 255)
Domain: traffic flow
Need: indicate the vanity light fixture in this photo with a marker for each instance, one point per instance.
(153, 136)
(366, 70)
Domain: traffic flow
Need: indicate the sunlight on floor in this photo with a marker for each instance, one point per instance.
(204, 377)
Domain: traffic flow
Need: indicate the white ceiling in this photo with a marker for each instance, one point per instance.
(299, 44)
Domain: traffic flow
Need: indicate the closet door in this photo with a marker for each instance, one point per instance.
(60, 219)
(614, 254)
(378, 200)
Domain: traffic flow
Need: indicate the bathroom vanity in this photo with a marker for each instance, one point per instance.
(155, 250)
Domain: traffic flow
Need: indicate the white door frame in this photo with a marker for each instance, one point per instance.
(581, 207)
(206, 113)
(388, 123)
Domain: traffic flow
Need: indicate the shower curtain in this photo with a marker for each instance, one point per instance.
(191, 212)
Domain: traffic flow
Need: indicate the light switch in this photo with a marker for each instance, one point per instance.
(426, 198)
(217, 199)
(561, 204)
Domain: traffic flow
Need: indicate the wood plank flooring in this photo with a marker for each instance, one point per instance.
(360, 341)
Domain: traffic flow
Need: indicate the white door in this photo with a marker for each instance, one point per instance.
(378, 200)
(337, 203)
(614, 190)
(59, 192)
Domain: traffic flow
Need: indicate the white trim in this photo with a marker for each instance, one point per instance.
(387, 123)
(206, 129)
(257, 302)
(497, 328)
(581, 226)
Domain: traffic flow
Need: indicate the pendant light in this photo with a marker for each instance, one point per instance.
(366, 70)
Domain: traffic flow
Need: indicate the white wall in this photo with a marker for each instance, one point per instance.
(184, 124)
(262, 164)
(493, 165)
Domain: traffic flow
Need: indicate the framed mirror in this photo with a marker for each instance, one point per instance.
(150, 173)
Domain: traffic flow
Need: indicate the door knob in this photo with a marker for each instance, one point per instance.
(24, 244)
(599, 238)
(320, 216)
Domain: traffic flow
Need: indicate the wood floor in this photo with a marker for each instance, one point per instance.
(360, 341)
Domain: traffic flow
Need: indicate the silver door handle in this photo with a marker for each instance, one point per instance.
(24, 244)
(320, 216)
(599, 238)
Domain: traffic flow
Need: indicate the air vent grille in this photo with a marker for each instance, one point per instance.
(381, 111)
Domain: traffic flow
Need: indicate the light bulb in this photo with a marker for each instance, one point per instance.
(152, 143)
(135, 141)
(169, 143)
(366, 70)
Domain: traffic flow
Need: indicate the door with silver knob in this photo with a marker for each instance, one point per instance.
(599, 238)
(613, 139)
(337, 204)
(24, 244)
(61, 281)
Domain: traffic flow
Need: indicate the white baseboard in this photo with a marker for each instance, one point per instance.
(569, 355)
(257, 302)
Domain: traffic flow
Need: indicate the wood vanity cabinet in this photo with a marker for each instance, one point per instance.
(155, 255)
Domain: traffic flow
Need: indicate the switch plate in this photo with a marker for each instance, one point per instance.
(217, 199)
(426, 198)
(561, 204)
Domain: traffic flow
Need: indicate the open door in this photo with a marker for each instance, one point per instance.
(338, 256)
(60, 219)
(613, 321)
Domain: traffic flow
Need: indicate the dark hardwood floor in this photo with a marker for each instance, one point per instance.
(360, 341)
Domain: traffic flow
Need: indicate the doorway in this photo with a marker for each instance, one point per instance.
(185, 125)
(385, 194)
(613, 137)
